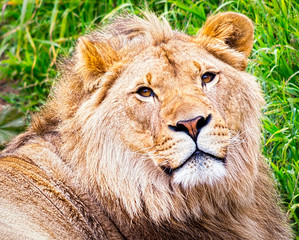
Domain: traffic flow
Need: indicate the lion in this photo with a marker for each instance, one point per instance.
(148, 133)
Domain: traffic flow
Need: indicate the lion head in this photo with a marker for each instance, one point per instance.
(163, 125)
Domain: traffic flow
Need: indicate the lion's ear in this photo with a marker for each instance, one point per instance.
(233, 29)
(94, 59)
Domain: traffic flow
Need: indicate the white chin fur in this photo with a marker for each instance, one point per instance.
(199, 170)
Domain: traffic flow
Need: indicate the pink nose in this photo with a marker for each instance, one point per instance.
(192, 126)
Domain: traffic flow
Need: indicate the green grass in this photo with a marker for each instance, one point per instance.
(34, 34)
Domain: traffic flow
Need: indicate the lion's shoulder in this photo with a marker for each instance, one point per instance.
(36, 206)
(28, 201)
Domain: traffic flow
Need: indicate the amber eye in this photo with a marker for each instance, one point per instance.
(145, 92)
(207, 77)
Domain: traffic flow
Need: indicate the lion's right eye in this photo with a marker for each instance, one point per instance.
(208, 77)
(145, 92)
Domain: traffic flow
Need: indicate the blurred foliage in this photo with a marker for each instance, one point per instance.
(12, 123)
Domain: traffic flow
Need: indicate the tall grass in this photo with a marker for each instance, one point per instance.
(34, 34)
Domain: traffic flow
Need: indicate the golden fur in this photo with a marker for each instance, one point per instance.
(134, 144)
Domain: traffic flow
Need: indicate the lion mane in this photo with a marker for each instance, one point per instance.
(148, 133)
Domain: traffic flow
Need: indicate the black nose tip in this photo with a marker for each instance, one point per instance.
(191, 126)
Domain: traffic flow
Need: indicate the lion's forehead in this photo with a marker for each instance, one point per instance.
(172, 64)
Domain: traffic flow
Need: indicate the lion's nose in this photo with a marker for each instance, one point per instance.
(192, 126)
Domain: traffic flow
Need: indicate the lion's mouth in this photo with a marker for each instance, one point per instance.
(197, 155)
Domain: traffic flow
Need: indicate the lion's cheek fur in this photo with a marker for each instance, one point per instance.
(101, 167)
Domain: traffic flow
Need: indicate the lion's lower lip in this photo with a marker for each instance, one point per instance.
(195, 155)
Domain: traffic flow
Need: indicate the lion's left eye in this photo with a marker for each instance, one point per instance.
(208, 77)
(145, 92)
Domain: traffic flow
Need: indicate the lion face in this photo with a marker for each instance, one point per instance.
(171, 102)
(178, 101)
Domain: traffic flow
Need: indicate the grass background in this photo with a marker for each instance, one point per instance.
(34, 33)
